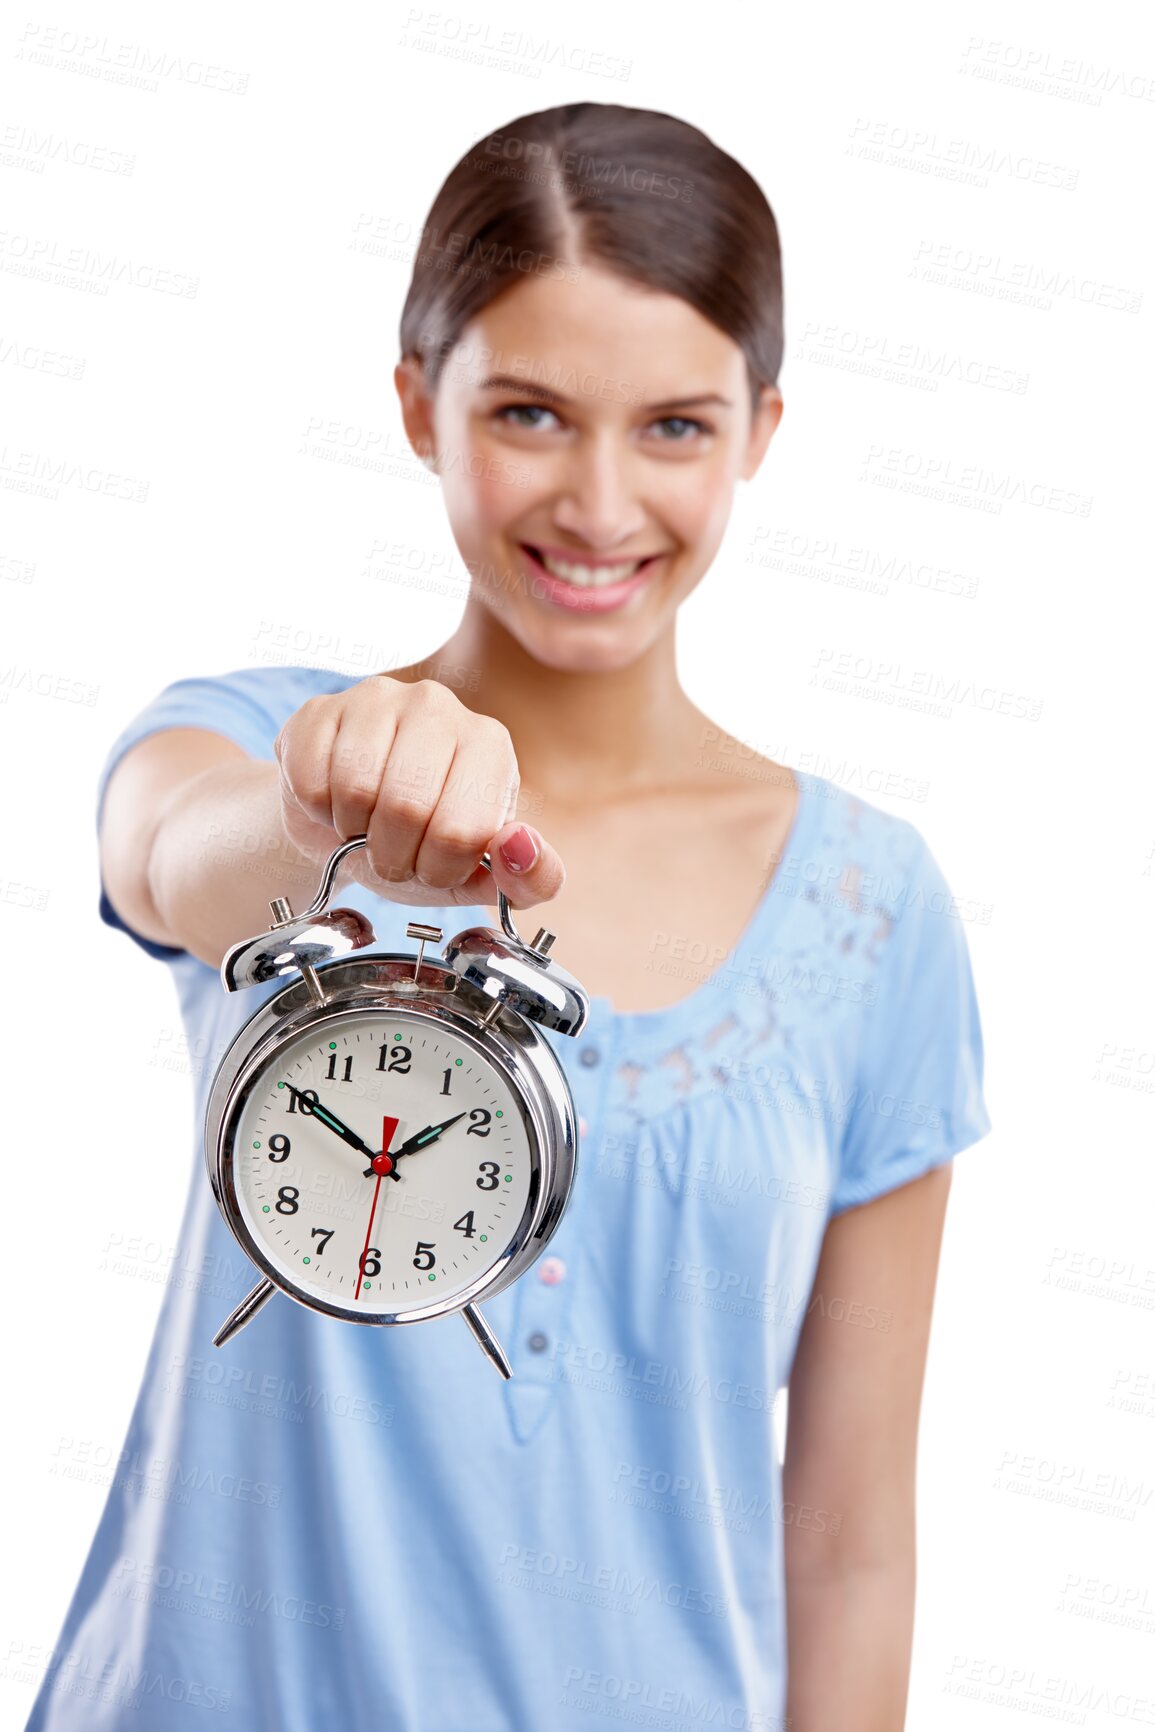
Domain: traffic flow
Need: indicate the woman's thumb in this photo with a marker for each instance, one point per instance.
(527, 868)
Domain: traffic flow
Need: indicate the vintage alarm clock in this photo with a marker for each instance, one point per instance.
(389, 1137)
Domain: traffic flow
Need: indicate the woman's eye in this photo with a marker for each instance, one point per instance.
(680, 421)
(523, 409)
(679, 429)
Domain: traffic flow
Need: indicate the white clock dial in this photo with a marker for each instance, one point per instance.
(381, 1240)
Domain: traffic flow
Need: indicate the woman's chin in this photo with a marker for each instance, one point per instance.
(584, 646)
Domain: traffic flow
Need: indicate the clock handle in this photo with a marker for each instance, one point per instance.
(329, 874)
(487, 1340)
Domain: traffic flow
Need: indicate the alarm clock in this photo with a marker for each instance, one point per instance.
(390, 1138)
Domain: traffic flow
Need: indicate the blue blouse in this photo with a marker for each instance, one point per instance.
(322, 1524)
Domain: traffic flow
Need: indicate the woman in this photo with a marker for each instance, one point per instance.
(327, 1525)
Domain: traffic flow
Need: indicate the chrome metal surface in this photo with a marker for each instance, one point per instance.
(293, 946)
(533, 985)
(490, 989)
(384, 983)
(487, 1340)
(248, 1307)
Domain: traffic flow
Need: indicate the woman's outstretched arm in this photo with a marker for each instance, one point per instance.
(849, 1468)
(192, 843)
(196, 837)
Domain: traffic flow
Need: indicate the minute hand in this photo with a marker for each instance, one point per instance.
(315, 1110)
(423, 1138)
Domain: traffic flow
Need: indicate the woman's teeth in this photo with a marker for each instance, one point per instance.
(586, 576)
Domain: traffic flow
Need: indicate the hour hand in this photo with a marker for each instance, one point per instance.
(423, 1138)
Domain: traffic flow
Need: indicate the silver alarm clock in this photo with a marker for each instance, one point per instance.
(389, 1137)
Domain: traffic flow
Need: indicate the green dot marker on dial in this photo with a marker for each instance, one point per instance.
(265, 1209)
(509, 1178)
(433, 1277)
(306, 1259)
(332, 1044)
(484, 1237)
(457, 1061)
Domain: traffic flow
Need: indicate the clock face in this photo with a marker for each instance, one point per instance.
(348, 1226)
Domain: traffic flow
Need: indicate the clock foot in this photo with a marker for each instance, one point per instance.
(486, 1339)
(248, 1307)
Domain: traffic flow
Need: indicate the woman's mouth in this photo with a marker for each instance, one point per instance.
(585, 588)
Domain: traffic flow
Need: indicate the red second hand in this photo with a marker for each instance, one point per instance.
(384, 1163)
(388, 1131)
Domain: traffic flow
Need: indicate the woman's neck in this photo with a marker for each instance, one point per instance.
(584, 735)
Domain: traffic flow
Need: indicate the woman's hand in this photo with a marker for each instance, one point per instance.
(431, 783)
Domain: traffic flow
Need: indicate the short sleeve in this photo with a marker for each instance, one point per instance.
(917, 1097)
(247, 706)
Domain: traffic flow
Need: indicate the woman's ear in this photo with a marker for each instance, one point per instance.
(416, 408)
(763, 426)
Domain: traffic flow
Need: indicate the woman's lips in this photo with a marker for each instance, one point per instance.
(587, 600)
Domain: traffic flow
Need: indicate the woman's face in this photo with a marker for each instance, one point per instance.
(588, 433)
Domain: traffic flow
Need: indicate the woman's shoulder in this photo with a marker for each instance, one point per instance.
(840, 813)
(867, 857)
(274, 681)
(258, 698)
(844, 847)
(843, 843)
(854, 820)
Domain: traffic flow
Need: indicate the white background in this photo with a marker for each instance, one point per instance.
(969, 304)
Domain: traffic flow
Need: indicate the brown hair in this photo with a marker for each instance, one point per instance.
(643, 193)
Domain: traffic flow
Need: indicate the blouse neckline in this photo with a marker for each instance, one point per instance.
(771, 909)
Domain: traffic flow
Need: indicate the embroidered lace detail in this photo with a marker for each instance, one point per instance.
(816, 966)
(805, 968)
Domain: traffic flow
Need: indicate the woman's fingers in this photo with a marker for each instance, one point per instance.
(431, 784)
(527, 884)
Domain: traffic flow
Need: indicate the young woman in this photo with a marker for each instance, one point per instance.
(323, 1525)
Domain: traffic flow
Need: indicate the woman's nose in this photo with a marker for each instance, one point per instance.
(597, 499)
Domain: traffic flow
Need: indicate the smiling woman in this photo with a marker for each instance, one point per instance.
(782, 1056)
(596, 340)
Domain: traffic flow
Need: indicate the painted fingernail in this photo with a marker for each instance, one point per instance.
(520, 850)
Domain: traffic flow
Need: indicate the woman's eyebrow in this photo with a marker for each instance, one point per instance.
(528, 387)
